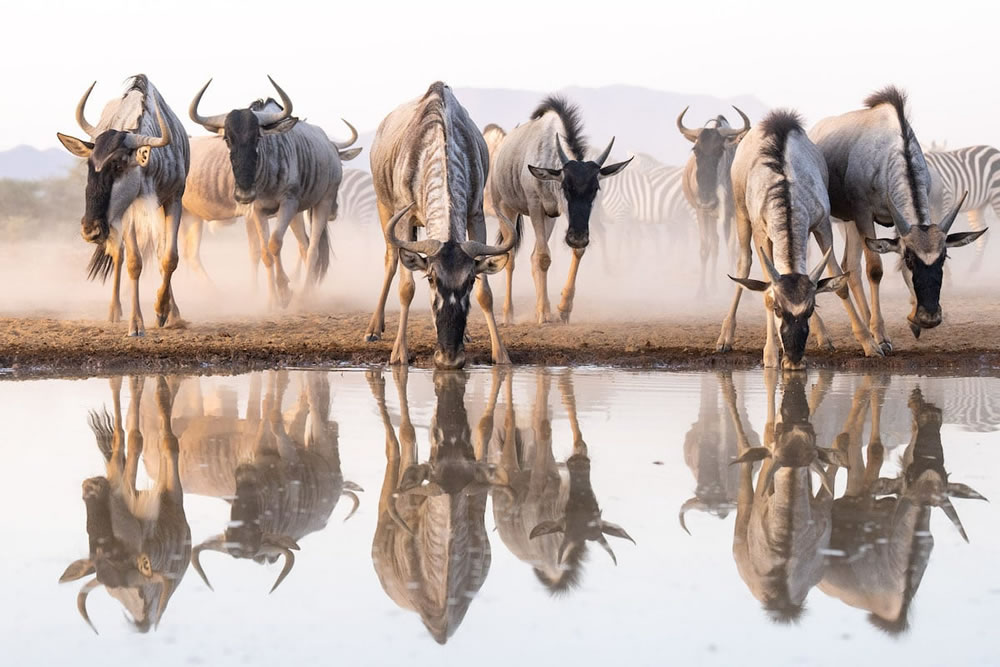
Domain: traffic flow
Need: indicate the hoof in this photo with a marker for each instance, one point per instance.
(564, 316)
(372, 337)
(723, 347)
(135, 334)
(916, 330)
(886, 348)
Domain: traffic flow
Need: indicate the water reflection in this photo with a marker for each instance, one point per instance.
(140, 542)
(550, 512)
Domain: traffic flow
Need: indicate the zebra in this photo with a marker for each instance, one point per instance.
(973, 168)
(356, 197)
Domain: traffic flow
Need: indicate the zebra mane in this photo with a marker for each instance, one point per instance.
(777, 126)
(569, 114)
(895, 97)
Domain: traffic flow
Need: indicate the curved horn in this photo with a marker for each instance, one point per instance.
(607, 547)
(266, 118)
(816, 467)
(289, 564)
(769, 478)
(952, 515)
(476, 249)
(428, 247)
(603, 157)
(772, 272)
(84, 125)
(562, 154)
(216, 543)
(166, 589)
(902, 226)
(354, 500)
(547, 528)
(350, 142)
(565, 548)
(817, 272)
(81, 601)
(949, 219)
(211, 123)
(964, 491)
(737, 133)
(134, 140)
(614, 530)
(690, 504)
(690, 135)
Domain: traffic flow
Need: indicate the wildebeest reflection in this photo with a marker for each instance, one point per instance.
(430, 550)
(881, 532)
(282, 481)
(550, 511)
(140, 542)
(782, 527)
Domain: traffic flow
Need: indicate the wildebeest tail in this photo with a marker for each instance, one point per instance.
(518, 229)
(100, 264)
(322, 254)
(101, 425)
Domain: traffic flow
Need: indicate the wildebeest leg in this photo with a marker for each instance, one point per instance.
(286, 211)
(873, 264)
(376, 326)
(298, 227)
(744, 496)
(484, 295)
(484, 430)
(192, 228)
(569, 403)
(508, 301)
(167, 312)
(134, 259)
(400, 352)
(708, 219)
(744, 260)
(261, 224)
(824, 238)
(876, 451)
(569, 291)
(170, 480)
(253, 243)
(115, 311)
(135, 439)
(541, 260)
(771, 346)
(851, 264)
(317, 246)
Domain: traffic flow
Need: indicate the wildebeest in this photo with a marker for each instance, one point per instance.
(137, 162)
(281, 475)
(881, 540)
(547, 512)
(538, 175)
(878, 175)
(429, 164)
(494, 135)
(431, 551)
(707, 185)
(282, 166)
(779, 186)
(140, 542)
(782, 526)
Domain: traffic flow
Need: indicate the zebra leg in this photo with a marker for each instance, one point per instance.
(569, 291)
(743, 261)
(977, 221)
(541, 260)
(115, 310)
(376, 326)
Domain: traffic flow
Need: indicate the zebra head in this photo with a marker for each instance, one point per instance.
(923, 249)
(242, 130)
(710, 145)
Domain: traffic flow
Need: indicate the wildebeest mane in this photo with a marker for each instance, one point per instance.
(431, 120)
(569, 114)
(777, 126)
(897, 98)
(572, 573)
(259, 104)
(493, 127)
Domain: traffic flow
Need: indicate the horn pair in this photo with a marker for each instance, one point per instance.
(218, 543)
(166, 588)
(728, 133)
(600, 160)
(903, 227)
(265, 118)
(133, 140)
(431, 247)
(814, 275)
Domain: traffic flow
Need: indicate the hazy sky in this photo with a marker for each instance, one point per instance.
(360, 59)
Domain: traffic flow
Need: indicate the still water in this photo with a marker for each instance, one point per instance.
(534, 516)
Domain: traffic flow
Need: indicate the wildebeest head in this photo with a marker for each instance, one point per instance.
(242, 130)
(579, 180)
(710, 144)
(451, 268)
(115, 159)
(792, 298)
(923, 249)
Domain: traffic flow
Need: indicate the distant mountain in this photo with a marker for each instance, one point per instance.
(641, 119)
(25, 163)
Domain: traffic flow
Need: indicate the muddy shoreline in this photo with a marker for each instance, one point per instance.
(36, 347)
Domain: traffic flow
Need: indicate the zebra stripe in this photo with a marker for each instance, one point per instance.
(651, 196)
(356, 197)
(973, 404)
(974, 168)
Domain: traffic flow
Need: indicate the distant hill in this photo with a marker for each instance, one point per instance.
(642, 120)
(25, 163)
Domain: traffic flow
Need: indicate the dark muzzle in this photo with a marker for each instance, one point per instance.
(577, 240)
(244, 196)
(450, 361)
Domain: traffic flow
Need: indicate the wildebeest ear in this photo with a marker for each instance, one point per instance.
(490, 265)
(76, 570)
(77, 147)
(281, 126)
(831, 284)
(613, 169)
(413, 261)
(883, 246)
(751, 284)
(142, 155)
(960, 239)
(349, 154)
(545, 174)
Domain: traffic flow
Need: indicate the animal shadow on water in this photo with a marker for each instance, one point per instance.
(868, 548)
(547, 512)
(140, 542)
(280, 473)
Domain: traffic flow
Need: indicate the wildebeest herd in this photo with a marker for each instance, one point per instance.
(432, 168)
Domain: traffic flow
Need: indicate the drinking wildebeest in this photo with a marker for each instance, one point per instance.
(429, 164)
(537, 175)
(140, 542)
(878, 175)
(707, 185)
(137, 162)
(779, 185)
(281, 166)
